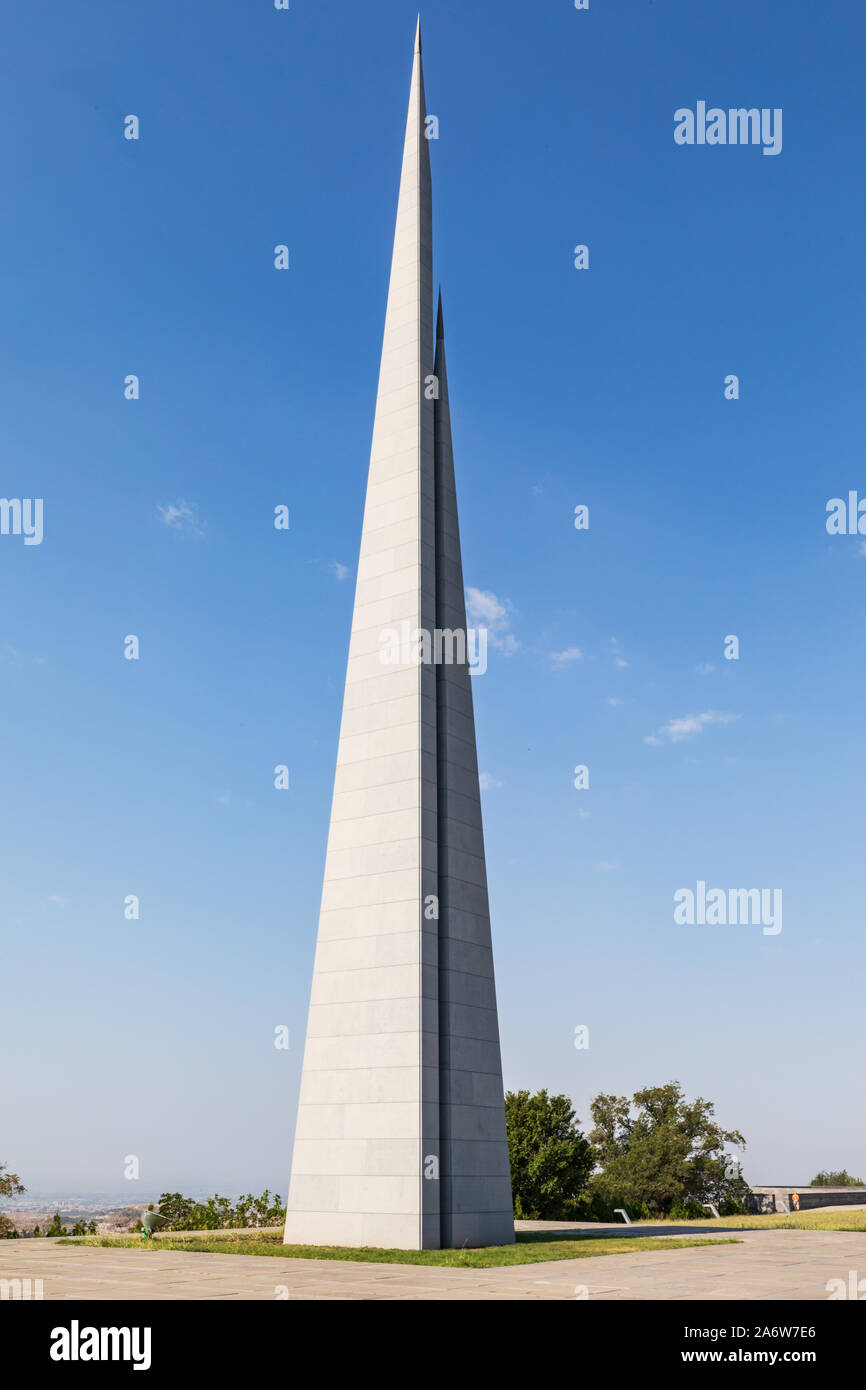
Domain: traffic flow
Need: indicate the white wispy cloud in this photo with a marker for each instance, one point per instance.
(690, 725)
(339, 571)
(181, 516)
(487, 782)
(485, 610)
(705, 668)
(19, 658)
(566, 657)
(615, 649)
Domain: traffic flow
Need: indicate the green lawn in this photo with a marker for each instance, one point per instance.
(532, 1247)
(819, 1220)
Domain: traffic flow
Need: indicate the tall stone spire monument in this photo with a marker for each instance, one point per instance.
(400, 1140)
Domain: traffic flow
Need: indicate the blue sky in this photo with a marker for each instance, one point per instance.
(603, 387)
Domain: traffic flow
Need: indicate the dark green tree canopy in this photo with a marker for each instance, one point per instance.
(662, 1151)
(550, 1158)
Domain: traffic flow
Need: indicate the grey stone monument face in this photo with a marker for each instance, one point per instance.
(401, 1140)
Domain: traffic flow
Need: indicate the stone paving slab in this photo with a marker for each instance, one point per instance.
(780, 1264)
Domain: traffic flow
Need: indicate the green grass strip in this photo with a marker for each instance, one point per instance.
(529, 1249)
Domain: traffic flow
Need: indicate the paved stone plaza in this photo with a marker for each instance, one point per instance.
(779, 1264)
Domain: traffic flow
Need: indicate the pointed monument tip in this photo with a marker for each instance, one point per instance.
(440, 326)
(418, 36)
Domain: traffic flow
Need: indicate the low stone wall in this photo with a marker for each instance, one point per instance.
(763, 1200)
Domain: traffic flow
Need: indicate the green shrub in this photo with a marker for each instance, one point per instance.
(217, 1213)
(840, 1178)
(689, 1210)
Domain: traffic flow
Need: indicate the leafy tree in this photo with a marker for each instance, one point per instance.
(10, 1183)
(550, 1158)
(10, 1186)
(55, 1226)
(187, 1214)
(176, 1209)
(669, 1153)
(260, 1211)
(832, 1179)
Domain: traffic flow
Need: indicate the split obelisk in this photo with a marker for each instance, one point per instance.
(400, 1140)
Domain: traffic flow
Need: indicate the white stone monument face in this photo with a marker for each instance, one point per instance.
(400, 1139)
